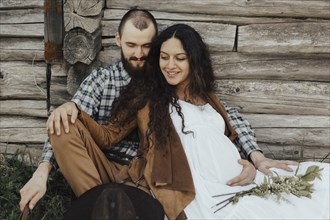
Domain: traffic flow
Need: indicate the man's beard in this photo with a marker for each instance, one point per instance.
(130, 69)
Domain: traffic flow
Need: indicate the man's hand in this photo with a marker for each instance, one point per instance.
(263, 164)
(247, 175)
(36, 187)
(61, 114)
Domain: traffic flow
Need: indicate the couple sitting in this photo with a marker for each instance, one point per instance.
(186, 153)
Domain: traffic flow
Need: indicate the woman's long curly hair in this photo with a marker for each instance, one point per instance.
(153, 88)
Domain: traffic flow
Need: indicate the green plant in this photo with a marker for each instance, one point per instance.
(14, 173)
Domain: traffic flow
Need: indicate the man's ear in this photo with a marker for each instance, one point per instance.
(118, 41)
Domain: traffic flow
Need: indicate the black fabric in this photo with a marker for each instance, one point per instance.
(127, 200)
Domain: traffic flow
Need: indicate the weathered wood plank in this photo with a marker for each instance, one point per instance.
(27, 73)
(220, 37)
(117, 14)
(276, 97)
(271, 105)
(23, 135)
(294, 136)
(35, 108)
(22, 122)
(38, 67)
(251, 8)
(21, 43)
(23, 83)
(13, 4)
(35, 15)
(21, 55)
(285, 38)
(295, 152)
(271, 66)
(282, 89)
(27, 49)
(22, 30)
(288, 121)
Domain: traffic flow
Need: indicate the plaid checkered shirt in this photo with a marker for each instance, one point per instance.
(96, 95)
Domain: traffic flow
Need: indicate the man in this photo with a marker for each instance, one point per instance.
(96, 94)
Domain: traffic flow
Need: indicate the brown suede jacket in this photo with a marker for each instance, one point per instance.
(166, 171)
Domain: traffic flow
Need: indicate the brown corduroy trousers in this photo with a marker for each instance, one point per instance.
(82, 162)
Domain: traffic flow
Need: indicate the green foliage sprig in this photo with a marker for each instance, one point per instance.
(298, 185)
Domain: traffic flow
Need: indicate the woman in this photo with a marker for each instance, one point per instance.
(186, 154)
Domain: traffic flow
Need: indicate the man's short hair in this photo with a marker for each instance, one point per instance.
(140, 18)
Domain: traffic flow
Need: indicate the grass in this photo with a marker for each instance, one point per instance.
(14, 174)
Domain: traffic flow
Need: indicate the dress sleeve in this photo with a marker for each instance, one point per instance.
(106, 135)
(246, 140)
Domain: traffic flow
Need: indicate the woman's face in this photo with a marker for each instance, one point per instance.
(173, 62)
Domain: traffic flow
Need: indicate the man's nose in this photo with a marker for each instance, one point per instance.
(139, 52)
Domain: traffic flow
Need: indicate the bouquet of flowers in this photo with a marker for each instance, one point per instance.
(299, 185)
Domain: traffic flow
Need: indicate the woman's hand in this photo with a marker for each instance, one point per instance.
(247, 175)
(263, 164)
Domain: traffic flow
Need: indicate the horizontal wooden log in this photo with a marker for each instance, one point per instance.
(26, 72)
(21, 55)
(294, 136)
(271, 66)
(85, 14)
(285, 38)
(21, 43)
(18, 4)
(117, 14)
(22, 30)
(35, 108)
(287, 121)
(295, 152)
(26, 82)
(260, 8)
(25, 49)
(81, 46)
(35, 15)
(8, 121)
(275, 97)
(23, 135)
(220, 37)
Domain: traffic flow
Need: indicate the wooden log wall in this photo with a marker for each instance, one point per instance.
(271, 59)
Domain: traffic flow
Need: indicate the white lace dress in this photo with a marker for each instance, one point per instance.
(213, 161)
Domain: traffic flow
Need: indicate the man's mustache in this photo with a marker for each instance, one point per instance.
(138, 59)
